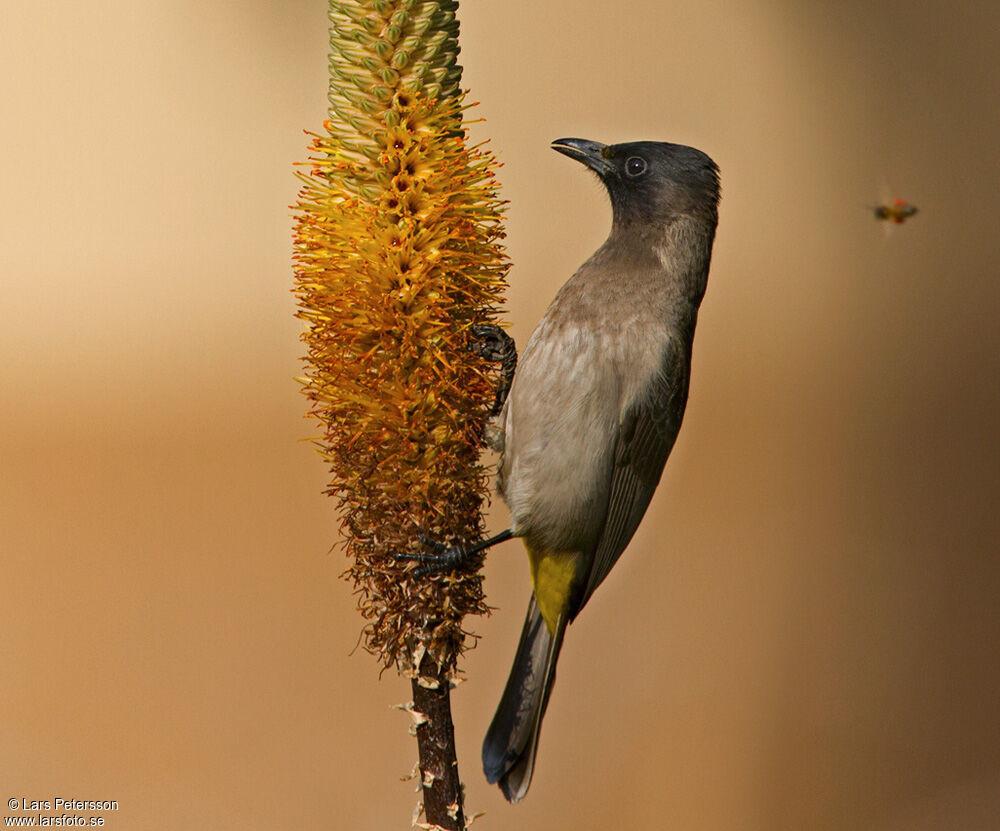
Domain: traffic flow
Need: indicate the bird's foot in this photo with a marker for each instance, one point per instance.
(493, 344)
(444, 558)
(447, 557)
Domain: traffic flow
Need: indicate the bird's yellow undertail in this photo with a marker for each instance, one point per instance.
(553, 574)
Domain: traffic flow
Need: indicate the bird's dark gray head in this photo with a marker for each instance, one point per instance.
(651, 181)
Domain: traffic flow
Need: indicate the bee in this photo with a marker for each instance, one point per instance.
(896, 211)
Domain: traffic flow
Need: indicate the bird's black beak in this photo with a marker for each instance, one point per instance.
(590, 153)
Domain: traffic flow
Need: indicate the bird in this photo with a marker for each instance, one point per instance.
(593, 411)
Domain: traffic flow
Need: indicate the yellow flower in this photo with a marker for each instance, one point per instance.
(397, 253)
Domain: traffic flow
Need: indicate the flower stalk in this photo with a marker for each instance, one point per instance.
(397, 255)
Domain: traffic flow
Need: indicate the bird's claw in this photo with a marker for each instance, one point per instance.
(444, 558)
(491, 343)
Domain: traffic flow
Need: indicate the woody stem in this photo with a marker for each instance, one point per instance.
(442, 788)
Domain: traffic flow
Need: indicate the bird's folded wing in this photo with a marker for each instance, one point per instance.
(646, 435)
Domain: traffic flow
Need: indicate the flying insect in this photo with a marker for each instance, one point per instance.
(896, 211)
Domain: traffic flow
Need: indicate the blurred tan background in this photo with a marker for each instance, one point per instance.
(804, 633)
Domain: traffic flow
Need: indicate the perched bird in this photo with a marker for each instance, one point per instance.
(595, 405)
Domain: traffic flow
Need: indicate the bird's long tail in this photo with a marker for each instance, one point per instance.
(512, 741)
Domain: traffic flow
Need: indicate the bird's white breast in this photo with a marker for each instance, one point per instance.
(575, 378)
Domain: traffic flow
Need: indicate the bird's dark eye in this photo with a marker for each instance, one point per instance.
(635, 166)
